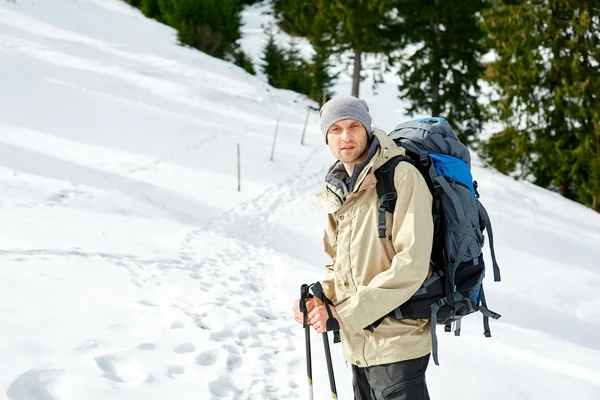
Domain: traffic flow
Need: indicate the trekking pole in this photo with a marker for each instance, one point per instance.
(332, 324)
(329, 366)
(304, 295)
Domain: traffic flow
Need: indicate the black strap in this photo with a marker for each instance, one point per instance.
(487, 314)
(457, 327)
(488, 226)
(434, 342)
(386, 190)
(331, 324)
(304, 296)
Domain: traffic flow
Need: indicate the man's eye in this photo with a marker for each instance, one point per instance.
(354, 126)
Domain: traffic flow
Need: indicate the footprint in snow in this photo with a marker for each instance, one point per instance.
(268, 315)
(207, 358)
(185, 348)
(234, 361)
(148, 303)
(222, 387)
(36, 384)
(222, 335)
(120, 368)
(146, 346)
(201, 324)
(177, 325)
(174, 370)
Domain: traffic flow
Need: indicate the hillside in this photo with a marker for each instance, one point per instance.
(132, 268)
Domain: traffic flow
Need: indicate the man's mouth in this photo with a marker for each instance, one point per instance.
(348, 148)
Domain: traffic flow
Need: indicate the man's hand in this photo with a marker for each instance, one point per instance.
(318, 318)
(299, 315)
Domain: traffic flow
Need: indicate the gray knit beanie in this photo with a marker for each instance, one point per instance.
(345, 107)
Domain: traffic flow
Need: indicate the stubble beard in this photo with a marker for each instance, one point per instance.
(353, 158)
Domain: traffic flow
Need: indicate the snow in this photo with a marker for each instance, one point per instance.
(132, 268)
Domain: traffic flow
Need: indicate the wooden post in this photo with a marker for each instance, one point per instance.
(239, 169)
(305, 123)
(274, 139)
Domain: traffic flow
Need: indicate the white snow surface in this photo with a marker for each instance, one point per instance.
(132, 268)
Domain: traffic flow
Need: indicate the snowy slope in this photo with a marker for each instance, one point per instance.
(132, 268)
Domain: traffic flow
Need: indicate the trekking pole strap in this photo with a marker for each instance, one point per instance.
(332, 323)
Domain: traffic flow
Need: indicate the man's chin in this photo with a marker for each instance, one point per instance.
(348, 159)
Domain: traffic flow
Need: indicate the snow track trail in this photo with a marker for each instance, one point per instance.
(236, 278)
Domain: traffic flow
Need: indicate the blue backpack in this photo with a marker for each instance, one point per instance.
(455, 288)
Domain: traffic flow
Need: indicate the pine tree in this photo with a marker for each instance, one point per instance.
(548, 76)
(442, 76)
(212, 26)
(167, 11)
(321, 77)
(359, 26)
(241, 59)
(297, 75)
(151, 9)
(274, 61)
(134, 3)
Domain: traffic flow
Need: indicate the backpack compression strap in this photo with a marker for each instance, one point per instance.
(487, 314)
(488, 228)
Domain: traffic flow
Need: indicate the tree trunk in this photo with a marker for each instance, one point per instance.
(356, 76)
(437, 67)
(563, 189)
(596, 201)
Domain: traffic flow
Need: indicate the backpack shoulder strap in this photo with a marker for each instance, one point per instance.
(386, 190)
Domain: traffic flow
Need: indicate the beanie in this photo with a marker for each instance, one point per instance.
(345, 107)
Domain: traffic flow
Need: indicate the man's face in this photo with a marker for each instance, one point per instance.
(347, 139)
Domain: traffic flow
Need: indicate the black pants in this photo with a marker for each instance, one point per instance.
(404, 380)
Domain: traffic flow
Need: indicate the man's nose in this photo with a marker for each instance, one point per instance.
(345, 134)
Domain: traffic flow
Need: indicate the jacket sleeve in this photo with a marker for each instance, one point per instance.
(412, 237)
(330, 247)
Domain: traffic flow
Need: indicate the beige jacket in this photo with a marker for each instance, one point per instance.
(368, 277)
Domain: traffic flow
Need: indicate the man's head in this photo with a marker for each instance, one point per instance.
(346, 124)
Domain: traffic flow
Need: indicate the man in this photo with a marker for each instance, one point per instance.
(369, 276)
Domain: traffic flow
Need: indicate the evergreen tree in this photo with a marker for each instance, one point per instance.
(360, 26)
(442, 76)
(285, 68)
(296, 75)
(242, 60)
(135, 3)
(167, 11)
(321, 77)
(547, 73)
(212, 26)
(274, 61)
(151, 9)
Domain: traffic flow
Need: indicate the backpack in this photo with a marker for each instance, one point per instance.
(455, 288)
